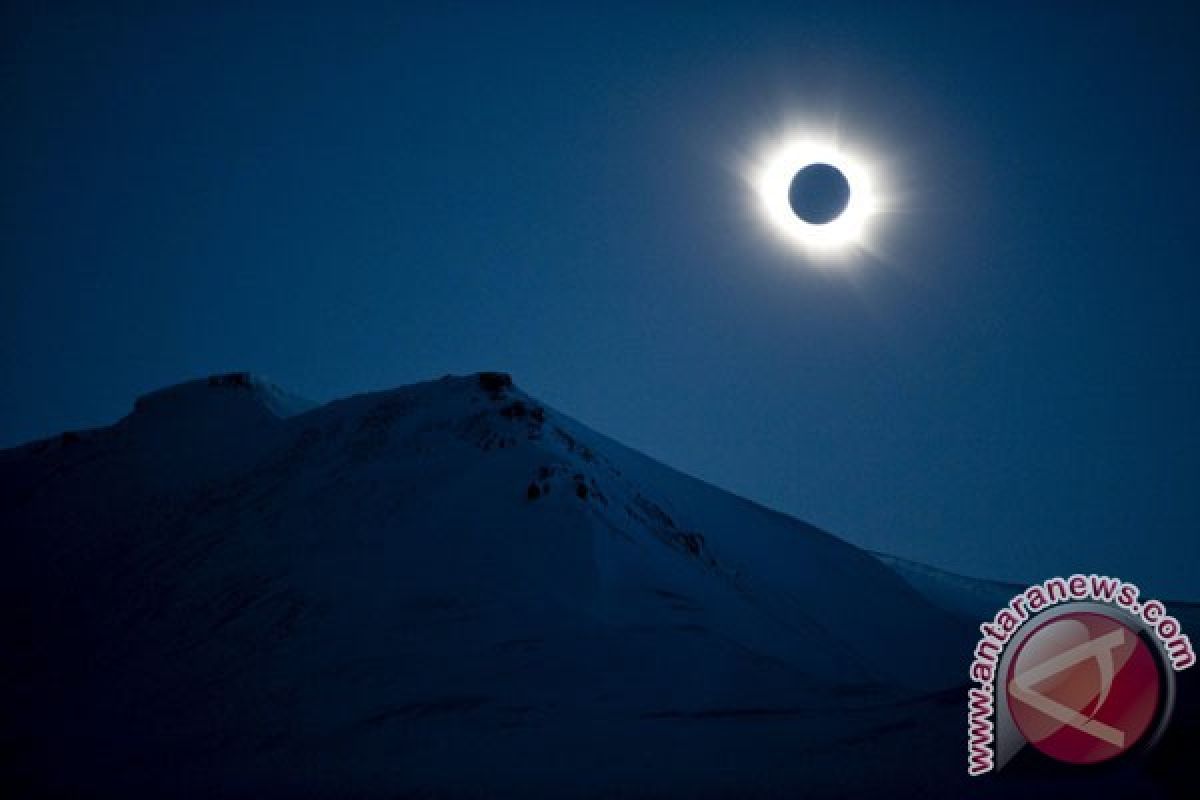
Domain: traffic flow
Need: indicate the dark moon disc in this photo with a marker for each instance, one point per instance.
(819, 193)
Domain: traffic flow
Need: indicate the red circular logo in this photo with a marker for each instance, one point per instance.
(1083, 688)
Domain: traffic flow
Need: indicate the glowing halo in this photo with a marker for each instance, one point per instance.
(773, 178)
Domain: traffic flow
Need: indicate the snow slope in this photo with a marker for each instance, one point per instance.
(443, 589)
(973, 599)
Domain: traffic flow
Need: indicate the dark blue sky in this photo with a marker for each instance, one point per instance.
(351, 200)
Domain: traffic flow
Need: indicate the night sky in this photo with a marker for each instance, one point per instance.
(348, 200)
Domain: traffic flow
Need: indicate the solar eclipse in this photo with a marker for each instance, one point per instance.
(816, 195)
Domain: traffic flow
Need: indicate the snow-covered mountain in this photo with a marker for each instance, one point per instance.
(444, 589)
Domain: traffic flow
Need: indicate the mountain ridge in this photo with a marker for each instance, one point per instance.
(414, 591)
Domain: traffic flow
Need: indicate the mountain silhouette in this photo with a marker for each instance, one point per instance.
(445, 589)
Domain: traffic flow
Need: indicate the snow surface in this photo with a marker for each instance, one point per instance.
(447, 589)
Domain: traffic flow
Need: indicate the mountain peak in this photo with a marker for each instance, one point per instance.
(216, 393)
(494, 381)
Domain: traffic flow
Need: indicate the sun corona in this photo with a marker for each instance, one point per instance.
(773, 180)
